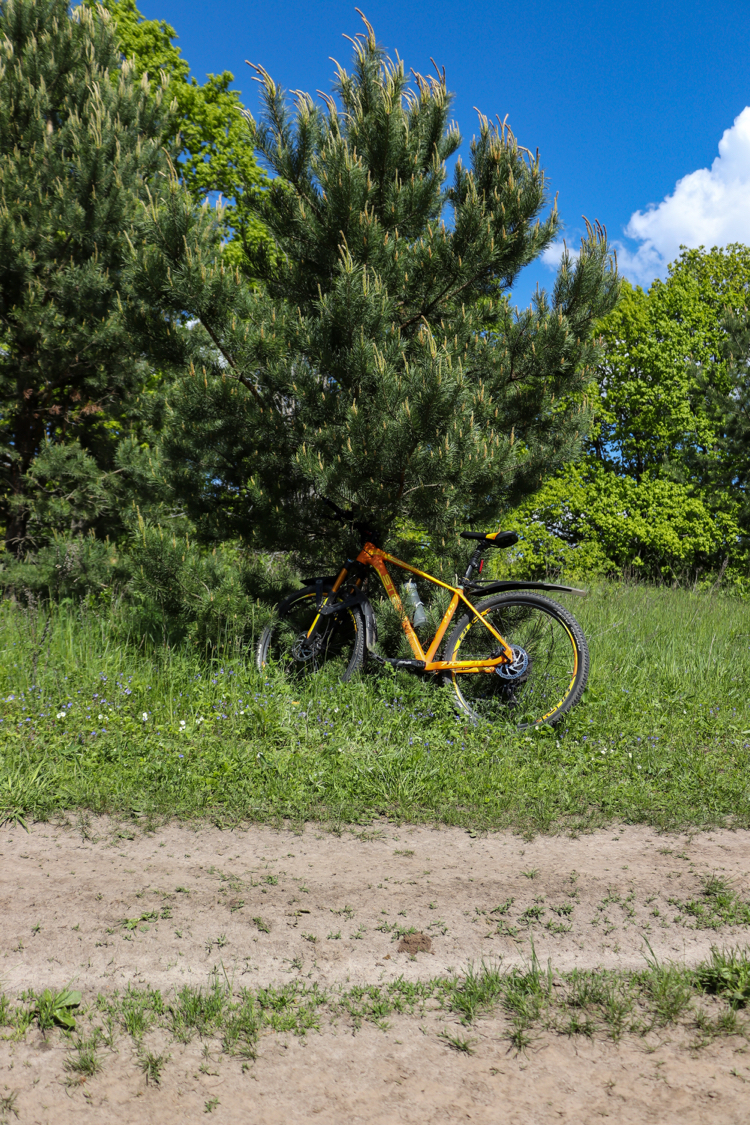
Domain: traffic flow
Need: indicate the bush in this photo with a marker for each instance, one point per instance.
(590, 521)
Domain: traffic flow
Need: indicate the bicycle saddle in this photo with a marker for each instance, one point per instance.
(493, 539)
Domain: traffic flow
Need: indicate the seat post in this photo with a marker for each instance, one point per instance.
(474, 562)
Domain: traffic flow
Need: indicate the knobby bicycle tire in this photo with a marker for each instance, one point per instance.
(558, 661)
(339, 639)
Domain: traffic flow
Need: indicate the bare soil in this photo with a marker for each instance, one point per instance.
(97, 905)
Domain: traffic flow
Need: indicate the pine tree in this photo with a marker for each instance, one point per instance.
(381, 365)
(80, 144)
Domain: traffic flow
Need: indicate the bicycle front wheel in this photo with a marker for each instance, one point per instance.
(338, 640)
(551, 667)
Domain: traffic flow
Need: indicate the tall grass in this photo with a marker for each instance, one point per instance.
(95, 717)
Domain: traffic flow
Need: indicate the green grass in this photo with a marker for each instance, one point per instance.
(706, 1002)
(718, 905)
(661, 737)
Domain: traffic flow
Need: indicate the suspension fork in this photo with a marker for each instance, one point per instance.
(340, 579)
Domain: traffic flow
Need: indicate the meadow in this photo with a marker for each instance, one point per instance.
(94, 717)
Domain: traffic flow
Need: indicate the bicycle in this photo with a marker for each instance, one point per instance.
(514, 655)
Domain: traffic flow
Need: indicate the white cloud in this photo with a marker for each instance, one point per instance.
(708, 207)
(554, 252)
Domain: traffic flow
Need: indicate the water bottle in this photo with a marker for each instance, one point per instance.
(411, 596)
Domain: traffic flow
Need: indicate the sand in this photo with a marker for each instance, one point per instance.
(96, 905)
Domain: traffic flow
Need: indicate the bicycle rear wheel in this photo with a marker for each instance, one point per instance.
(552, 661)
(338, 641)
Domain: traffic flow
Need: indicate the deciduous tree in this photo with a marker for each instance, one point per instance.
(214, 146)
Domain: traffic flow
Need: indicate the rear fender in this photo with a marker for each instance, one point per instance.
(505, 587)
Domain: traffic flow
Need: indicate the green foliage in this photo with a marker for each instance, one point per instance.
(216, 134)
(661, 491)
(382, 364)
(660, 350)
(211, 599)
(726, 466)
(170, 589)
(80, 145)
(590, 520)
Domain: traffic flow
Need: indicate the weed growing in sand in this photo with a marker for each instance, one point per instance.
(479, 991)
(345, 912)
(458, 1042)
(140, 1009)
(56, 1009)
(727, 975)
(718, 905)
(85, 1060)
(8, 1106)
(152, 1065)
(707, 1001)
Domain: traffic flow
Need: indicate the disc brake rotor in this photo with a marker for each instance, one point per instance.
(305, 649)
(517, 668)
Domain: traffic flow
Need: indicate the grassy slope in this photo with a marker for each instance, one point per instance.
(662, 736)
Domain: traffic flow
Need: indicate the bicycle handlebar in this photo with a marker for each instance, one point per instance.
(343, 516)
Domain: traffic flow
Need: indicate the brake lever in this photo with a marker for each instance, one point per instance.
(348, 518)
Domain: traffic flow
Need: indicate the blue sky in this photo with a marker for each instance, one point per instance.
(627, 103)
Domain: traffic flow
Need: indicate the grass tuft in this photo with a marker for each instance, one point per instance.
(527, 1001)
(719, 905)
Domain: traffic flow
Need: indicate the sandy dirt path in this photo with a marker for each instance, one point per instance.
(100, 905)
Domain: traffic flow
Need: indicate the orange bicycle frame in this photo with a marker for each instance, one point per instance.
(373, 556)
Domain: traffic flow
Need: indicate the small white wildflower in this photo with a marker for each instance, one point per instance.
(101, 717)
(62, 714)
(198, 720)
(145, 716)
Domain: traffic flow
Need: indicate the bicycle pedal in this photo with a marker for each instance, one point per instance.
(409, 665)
